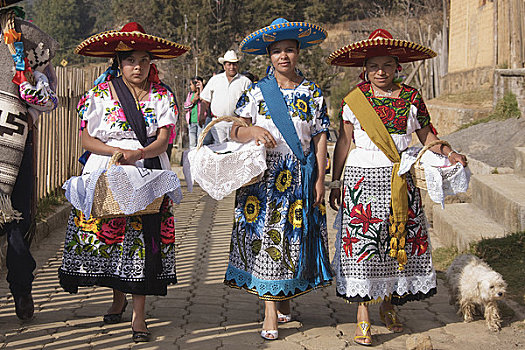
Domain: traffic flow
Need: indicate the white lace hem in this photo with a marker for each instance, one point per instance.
(384, 287)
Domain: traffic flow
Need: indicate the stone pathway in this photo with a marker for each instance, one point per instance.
(201, 313)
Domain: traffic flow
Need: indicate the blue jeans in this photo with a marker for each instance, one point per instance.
(208, 140)
(20, 263)
(194, 131)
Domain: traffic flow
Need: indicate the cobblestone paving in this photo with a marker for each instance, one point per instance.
(201, 313)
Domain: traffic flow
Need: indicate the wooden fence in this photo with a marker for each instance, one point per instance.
(58, 142)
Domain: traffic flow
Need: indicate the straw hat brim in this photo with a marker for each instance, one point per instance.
(222, 60)
(355, 54)
(307, 34)
(108, 43)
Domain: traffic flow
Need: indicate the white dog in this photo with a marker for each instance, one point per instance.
(473, 283)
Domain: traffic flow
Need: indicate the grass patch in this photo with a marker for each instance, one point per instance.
(48, 204)
(506, 108)
(505, 255)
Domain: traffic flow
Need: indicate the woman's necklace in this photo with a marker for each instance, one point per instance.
(288, 84)
(387, 93)
(140, 95)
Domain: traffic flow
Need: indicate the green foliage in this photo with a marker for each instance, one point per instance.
(48, 204)
(68, 21)
(340, 87)
(209, 27)
(507, 107)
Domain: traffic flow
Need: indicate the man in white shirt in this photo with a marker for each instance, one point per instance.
(222, 93)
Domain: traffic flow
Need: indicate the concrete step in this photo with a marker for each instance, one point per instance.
(519, 165)
(502, 198)
(463, 223)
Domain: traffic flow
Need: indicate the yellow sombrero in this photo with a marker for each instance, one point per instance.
(131, 37)
(379, 43)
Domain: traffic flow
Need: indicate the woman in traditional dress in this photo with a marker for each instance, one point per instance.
(134, 254)
(270, 255)
(382, 249)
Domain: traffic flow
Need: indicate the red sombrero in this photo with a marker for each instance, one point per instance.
(379, 43)
(131, 37)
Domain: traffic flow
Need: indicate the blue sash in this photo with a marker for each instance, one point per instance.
(313, 264)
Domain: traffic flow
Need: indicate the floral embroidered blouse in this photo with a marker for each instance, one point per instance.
(306, 107)
(106, 120)
(401, 115)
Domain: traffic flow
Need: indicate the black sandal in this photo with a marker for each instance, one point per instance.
(115, 318)
(140, 336)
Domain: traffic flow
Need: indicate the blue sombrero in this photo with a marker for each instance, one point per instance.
(306, 33)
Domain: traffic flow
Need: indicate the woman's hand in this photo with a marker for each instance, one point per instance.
(455, 157)
(261, 135)
(319, 191)
(199, 86)
(129, 156)
(335, 198)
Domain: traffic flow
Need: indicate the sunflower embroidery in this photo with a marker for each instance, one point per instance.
(302, 107)
(284, 181)
(295, 214)
(136, 223)
(89, 225)
(293, 225)
(250, 214)
(252, 208)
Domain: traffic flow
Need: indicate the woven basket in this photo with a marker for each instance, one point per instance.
(207, 129)
(417, 171)
(105, 206)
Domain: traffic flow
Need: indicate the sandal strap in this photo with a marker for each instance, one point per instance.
(364, 326)
(392, 316)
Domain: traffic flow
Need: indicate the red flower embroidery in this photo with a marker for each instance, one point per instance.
(363, 216)
(419, 243)
(386, 113)
(112, 231)
(400, 123)
(167, 230)
(348, 241)
(411, 217)
(399, 103)
(358, 183)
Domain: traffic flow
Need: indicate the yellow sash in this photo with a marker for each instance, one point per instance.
(376, 130)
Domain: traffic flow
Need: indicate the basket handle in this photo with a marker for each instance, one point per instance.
(427, 147)
(114, 159)
(208, 127)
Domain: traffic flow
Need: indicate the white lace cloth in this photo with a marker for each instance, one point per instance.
(223, 168)
(443, 179)
(132, 187)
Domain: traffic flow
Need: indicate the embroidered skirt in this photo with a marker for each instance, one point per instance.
(113, 253)
(364, 270)
(264, 248)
